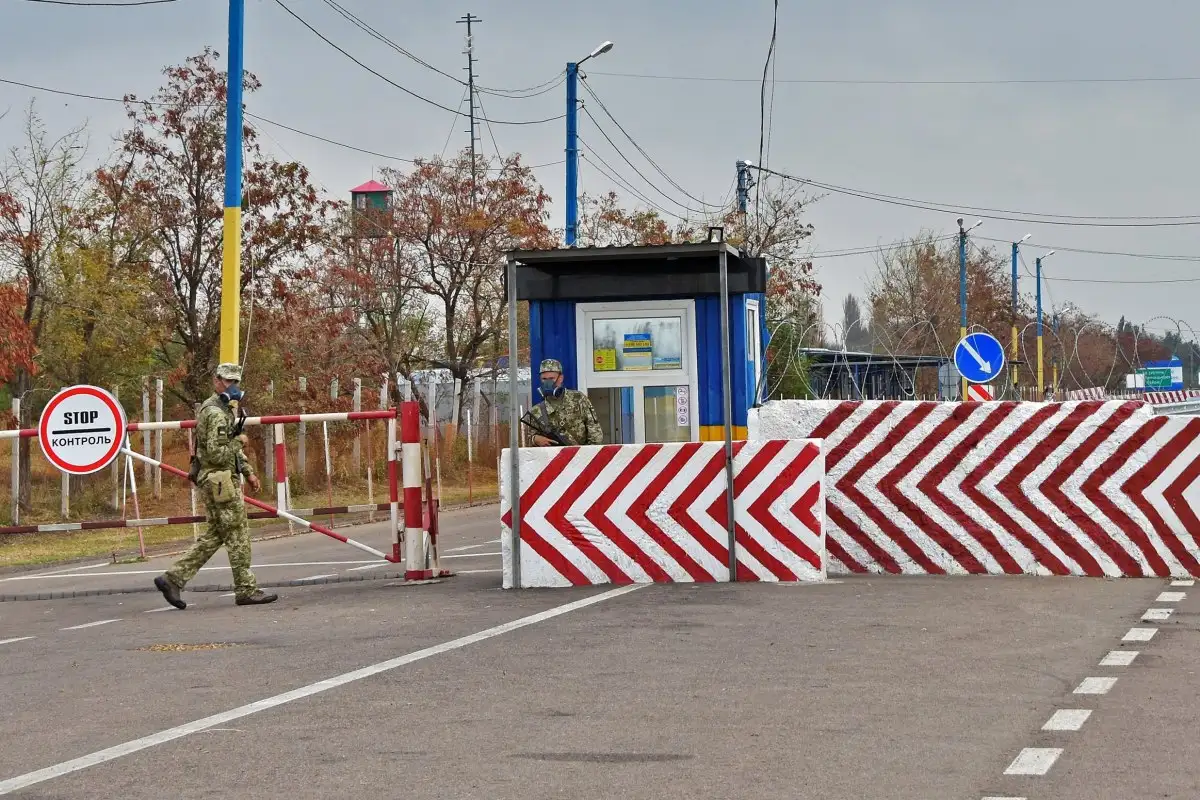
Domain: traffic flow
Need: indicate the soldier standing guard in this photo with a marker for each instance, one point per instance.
(218, 462)
(568, 412)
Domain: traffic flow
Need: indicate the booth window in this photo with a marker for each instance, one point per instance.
(754, 350)
(637, 344)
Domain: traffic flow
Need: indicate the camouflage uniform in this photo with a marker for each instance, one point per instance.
(221, 461)
(571, 413)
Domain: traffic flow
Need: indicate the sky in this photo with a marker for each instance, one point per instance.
(1014, 106)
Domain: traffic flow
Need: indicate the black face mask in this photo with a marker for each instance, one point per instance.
(550, 389)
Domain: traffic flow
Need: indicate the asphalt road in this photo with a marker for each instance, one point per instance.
(879, 687)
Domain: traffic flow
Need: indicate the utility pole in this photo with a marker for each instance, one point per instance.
(1016, 354)
(962, 291)
(469, 52)
(231, 248)
(744, 184)
(1041, 375)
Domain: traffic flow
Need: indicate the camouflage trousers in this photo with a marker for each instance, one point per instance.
(227, 527)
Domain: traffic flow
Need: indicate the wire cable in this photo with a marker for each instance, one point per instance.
(889, 82)
(615, 176)
(762, 107)
(318, 137)
(642, 150)
(374, 33)
(391, 82)
(128, 4)
(635, 169)
(943, 208)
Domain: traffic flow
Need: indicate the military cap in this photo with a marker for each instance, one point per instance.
(229, 372)
(551, 365)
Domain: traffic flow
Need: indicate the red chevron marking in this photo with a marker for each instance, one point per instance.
(717, 511)
(930, 484)
(760, 508)
(556, 515)
(890, 485)
(678, 510)
(1092, 487)
(637, 513)
(839, 517)
(971, 488)
(540, 546)
(849, 486)
(1174, 493)
(1052, 489)
(1135, 489)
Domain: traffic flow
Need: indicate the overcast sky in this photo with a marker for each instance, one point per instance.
(1083, 148)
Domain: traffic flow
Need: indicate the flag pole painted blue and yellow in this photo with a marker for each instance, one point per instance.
(231, 256)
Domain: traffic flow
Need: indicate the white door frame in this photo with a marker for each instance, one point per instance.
(754, 346)
(586, 313)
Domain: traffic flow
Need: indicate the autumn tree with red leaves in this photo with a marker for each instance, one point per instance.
(177, 144)
(454, 221)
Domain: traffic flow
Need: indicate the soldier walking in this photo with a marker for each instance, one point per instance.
(221, 460)
(568, 412)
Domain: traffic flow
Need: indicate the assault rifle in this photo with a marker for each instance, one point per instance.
(546, 430)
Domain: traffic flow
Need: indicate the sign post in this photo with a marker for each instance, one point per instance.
(979, 357)
(82, 430)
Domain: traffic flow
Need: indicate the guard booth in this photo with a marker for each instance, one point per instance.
(638, 329)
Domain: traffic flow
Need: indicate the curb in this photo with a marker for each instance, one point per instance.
(152, 589)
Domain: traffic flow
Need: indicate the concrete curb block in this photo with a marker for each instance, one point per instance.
(152, 589)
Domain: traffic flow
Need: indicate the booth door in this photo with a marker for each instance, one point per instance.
(638, 365)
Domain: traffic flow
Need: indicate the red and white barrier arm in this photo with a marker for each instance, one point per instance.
(152, 522)
(312, 526)
(285, 419)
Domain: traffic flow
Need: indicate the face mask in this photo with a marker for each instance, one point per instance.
(550, 388)
(233, 394)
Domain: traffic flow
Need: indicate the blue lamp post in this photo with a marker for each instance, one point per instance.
(573, 142)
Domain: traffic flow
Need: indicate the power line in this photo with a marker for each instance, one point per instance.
(946, 208)
(616, 177)
(1150, 256)
(129, 4)
(888, 82)
(762, 108)
(635, 169)
(404, 89)
(642, 150)
(258, 117)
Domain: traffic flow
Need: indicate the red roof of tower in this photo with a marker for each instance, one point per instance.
(370, 186)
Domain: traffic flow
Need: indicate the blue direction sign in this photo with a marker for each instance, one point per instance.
(979, 357)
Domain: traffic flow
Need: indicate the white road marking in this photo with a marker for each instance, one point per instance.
(77, 568)
(230, 594)
(1170, 597)
(1119, 658)
(1034, 761)
(159, 571)
(90, 624)
(1067, 719)
(1095, 685)
(318, 577)
(472, 555)
(992, 797)
(1139, 635)
(476, 571)
(118, 751)
(1157, 615)
(156, 610)
(369, 566)
(1183, 583)
(17, 639)
(472, 546)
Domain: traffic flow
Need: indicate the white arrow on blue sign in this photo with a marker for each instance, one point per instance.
(979, 357)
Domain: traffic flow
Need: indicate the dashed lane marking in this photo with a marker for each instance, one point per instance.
(216, 720)
(90, 624)
(369, 566)
(1067, 719)
(1170, 597)
(318, 577)
(1095, 685)
(16, 639)
(1139, 635)
(156, 610)
(1183, 583)
(1034, 761)
(1119, 658)
(1157, 614)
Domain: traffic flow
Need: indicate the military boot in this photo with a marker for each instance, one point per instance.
(169, 591)
(258, 598)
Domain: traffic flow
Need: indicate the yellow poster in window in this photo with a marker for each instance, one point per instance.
(604, 360)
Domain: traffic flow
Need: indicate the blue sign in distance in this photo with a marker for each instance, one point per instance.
(979, 357)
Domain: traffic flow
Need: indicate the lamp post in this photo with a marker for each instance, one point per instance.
(231, 231)
(573, 141)
(962, 290)
(1041, 385)
(1015, 345)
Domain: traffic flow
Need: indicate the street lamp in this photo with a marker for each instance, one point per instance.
(573, 141)
(1015, 344)
(1040, 366)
